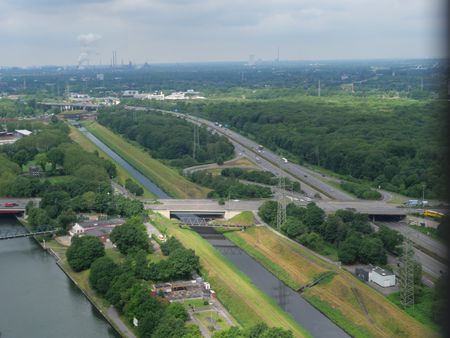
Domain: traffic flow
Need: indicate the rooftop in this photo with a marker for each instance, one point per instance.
(382, 272)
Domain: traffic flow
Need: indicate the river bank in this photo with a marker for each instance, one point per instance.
(38, 299)
(80, 280)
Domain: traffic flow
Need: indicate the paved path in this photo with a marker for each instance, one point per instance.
(114, 316)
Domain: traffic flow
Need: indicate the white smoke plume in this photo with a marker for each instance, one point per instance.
(88, 46)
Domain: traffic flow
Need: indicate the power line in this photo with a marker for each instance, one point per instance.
(281, 200)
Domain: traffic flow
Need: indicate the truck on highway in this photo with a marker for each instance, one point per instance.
(9, 204)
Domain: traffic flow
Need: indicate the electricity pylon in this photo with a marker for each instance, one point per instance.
(407, 274)
(281, 203)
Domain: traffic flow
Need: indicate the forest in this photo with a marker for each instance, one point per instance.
(70, 180)
(228, 187)
(393, 144)
(167, 138)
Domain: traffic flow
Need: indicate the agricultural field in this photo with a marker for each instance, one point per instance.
(354, 306)
(246, 303)
(166, 178)
(86, 144)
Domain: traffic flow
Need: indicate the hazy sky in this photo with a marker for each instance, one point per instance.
(38, 32)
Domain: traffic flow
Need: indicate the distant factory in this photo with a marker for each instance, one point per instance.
(190, 94)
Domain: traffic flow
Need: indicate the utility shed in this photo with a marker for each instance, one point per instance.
(382, 277)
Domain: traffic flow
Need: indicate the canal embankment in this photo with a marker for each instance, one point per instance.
(80, 280)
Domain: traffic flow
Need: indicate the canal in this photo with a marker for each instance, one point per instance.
(304, 313)
(158, 192)
(37, 299)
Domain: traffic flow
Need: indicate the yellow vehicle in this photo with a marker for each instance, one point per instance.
(432, 213)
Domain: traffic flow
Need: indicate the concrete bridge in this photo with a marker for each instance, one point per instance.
(211, 209)
(15, 206)
(203, 208)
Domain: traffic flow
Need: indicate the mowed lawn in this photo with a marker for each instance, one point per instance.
(344, 299)
(165, 177)
(86, 144)
(245, 302)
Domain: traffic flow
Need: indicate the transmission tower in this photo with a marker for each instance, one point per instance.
(196, 141)
(281, 206)
(407, 274)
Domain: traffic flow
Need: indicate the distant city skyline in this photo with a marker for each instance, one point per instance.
(71, 32)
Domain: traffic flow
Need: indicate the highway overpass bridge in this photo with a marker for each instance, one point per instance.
(15, 206)
(211, 209)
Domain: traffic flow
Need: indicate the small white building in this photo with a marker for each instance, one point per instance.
(22, 132)
(130, 93)
(382, 277)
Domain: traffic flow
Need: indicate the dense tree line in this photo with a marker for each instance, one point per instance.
(133, 187)
(258, 176)
(126, 286)
(361, 191)
(348, 232)
(167, 137)
(394, 144)
(224, 187)
(73, 180)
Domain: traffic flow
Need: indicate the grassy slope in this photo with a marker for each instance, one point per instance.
(166, 178)
(336, 298)
(86, 144)
(235, 290)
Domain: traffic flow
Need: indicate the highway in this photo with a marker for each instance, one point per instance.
(419, 238)
(267, 159)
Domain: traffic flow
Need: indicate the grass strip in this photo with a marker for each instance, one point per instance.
(165, 177)
(122, 174)
(350, 303)
(238, 294)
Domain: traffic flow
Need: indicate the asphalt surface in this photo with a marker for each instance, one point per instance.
(420, 239)
(21, 203)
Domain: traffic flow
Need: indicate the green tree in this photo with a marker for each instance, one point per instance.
(41, 160)
(83, 251)
(38, 217)
(65, 218)
(371, 250)
(102, 272)
(130, 236)
(56, 157)
(268, 212)
(169, 327)
(348, 249)
(178, 311)
(293, 227)
(391, 239)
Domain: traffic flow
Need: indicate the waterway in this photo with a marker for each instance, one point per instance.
(304, 313)
(37, 299)
(292, 302)
(158, 192)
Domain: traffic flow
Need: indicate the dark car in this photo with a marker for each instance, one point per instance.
(10, 204)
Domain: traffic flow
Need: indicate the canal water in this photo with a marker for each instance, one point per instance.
(158, 192)
(37, 299)
(304, 313)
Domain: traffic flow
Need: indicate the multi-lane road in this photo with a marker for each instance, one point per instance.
(315, 184)
(268, 160)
